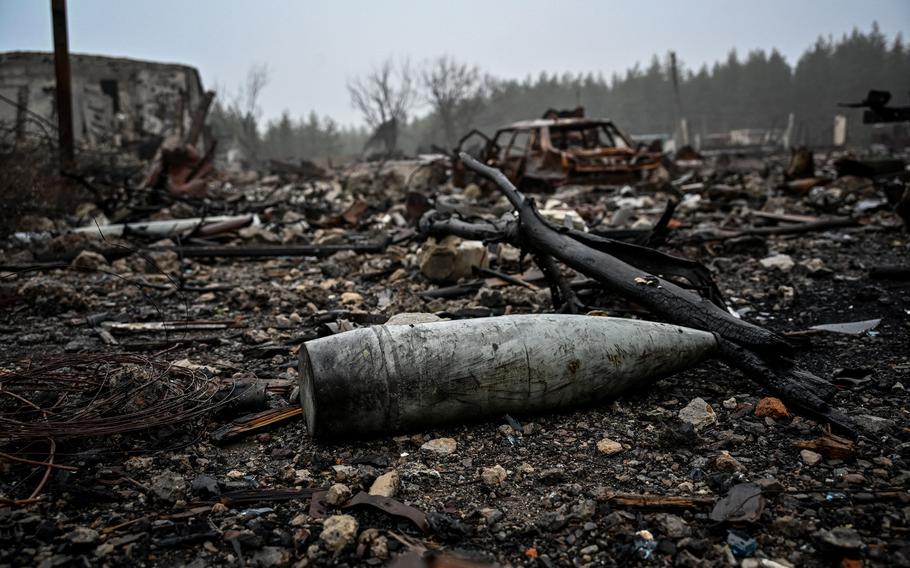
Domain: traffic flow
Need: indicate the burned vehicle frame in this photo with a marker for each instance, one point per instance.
(541, 154)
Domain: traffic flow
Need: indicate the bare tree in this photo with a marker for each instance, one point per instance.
(453, 90)
(236, 114)
(384, 97)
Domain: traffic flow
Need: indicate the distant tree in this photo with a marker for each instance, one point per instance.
(384, 97)
(236, 115)
(453, 90)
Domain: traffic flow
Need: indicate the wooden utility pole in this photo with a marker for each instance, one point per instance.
(64, 91)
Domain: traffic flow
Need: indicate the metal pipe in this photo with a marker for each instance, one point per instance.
(64, 90)
(385, 378)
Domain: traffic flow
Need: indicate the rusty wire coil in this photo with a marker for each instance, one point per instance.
(90, 395)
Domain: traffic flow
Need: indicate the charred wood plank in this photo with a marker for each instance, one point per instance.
(663, 297)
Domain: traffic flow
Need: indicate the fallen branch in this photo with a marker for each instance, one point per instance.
(753, 350)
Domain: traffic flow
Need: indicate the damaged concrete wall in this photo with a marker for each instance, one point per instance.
(118, 103)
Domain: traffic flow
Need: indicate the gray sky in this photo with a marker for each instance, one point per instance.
(313, 48)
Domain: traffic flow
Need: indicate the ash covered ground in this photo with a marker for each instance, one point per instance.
(519, 490)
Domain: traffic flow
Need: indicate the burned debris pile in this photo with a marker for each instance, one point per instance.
(693, 359)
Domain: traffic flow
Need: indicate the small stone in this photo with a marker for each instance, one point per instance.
(843, 538)
(235, 474)
(137, 463)
(493, 475)
(269, 556)
(451, 258)
(726, 462)
(698, 414)
(219, 508)
(104, 549)
(205, 485)
(379, 547)
(490, 515)
(344, 472)
(473, 191)
(440, 446)
(730, 403)
(338, 494)
(781, 262)
(168, 486)
(769, 485)
(409, 318)
(609, 447)
(299, 520)
(89, 260)
(854, 478)
(771, 407)
(673, 526)
(386, 485)
(338, 531)
(873, 424)
(589, 550)
(815, 267)
(83, 535)
(351, 299)
(552, 476)
(810, 458)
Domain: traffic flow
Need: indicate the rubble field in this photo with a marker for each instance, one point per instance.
(702, 468)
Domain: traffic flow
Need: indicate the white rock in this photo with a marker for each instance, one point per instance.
(337, 494)
(493, 475)
(338, 531)
(441, 446)
(386, 485)
(810, 458)
(408, 318)
(609, 447)
(781, 262)
(698, 413)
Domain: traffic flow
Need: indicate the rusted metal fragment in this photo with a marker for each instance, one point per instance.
(392, 507)
(255, 422)
(644, 501)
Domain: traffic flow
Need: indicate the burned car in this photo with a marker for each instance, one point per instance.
(539, 155)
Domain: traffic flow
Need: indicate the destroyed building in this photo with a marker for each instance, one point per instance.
(119, 104)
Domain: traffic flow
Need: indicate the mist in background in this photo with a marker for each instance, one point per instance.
(741, 65)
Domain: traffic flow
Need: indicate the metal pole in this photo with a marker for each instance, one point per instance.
(64, 92)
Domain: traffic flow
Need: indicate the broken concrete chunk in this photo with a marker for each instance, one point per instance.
(698, 414)
(560, 215)
(873, 424)
(451, 258)
(440, 446)
(338, 531)
(810, 458)
(337, 494)
(89, 260)
(781, 262)
(493, 476)
(408, 318)
(386, 485)
(609, 447)
(168, 486)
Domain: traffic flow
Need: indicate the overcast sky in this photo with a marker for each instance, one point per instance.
(312, 48)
